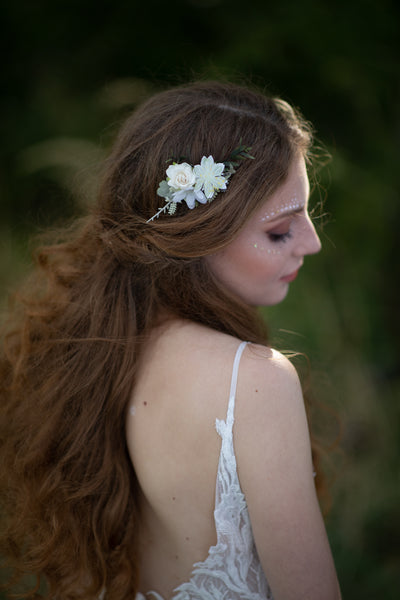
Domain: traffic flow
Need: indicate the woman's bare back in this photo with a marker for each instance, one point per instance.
(182, 388)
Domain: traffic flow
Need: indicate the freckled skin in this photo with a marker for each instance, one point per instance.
(266, 250)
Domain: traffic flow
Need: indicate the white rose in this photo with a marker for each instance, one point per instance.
(181, 177)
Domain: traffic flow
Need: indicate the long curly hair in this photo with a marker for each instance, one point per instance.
(69, 495)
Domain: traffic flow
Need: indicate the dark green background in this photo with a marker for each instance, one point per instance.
(72, 70)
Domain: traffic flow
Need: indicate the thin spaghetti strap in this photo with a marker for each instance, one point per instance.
(232, 393)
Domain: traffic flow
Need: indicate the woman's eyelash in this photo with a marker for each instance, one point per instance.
(280, 237)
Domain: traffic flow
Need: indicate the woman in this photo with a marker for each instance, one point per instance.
(148, 449)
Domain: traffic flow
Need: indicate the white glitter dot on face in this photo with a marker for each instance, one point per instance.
(132, 411)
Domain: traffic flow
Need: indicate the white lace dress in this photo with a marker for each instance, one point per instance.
(232, 569)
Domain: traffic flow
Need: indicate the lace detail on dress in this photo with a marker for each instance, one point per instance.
(232, 569)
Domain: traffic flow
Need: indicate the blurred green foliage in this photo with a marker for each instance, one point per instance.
(72, 71)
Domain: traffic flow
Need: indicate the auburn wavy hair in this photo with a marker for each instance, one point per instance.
(68, 363)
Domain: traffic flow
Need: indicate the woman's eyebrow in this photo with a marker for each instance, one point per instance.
(281, 213)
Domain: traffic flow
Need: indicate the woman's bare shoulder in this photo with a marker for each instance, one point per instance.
(266, 365)
(273, 453)
(201, 349)
(268, 382)
(269, 408)
(189, 334)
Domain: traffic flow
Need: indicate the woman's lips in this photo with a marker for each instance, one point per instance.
(291, 277)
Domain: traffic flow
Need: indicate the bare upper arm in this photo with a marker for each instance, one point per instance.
(275, 469)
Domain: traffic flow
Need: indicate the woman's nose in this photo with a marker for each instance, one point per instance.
(309, 242)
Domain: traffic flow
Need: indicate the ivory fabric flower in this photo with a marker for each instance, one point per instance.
(181, 176)
(189, 196)
(209, 176)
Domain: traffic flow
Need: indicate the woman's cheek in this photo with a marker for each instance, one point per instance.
(263, 245)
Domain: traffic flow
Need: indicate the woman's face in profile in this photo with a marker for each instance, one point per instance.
(259, 264)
